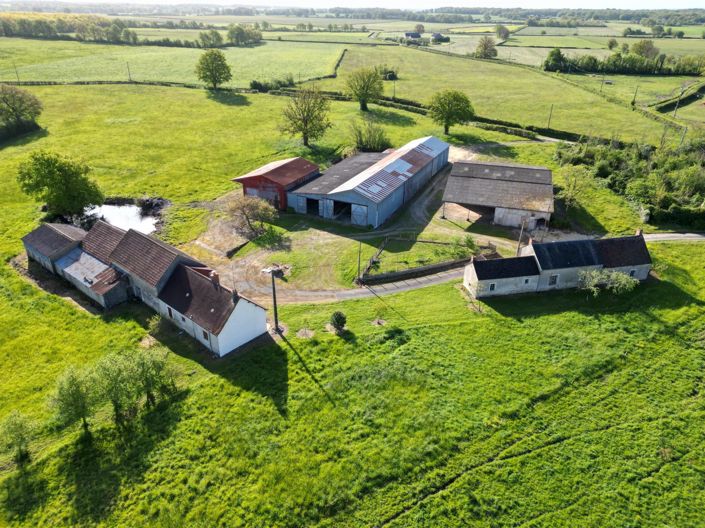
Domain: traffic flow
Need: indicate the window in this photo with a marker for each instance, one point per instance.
(492, 286)
(553, 280)
(205, 335)
(632, 273)
(183, 319)
(171, 315)
(526, 281)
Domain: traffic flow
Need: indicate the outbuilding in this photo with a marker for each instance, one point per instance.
(49, 242)
(95, 279)
(367, 189)
(272, 181)
(517, 194)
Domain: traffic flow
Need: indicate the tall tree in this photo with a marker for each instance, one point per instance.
(210, 39)
(502, 32)
(645, 48)
(364, 86)
(612, 43)
(60, 182)
(420, 29)
(486, 48)
(307, 115)
(18, 107)
(74, 398)
(153, 375)
(450, 107)
(213, 69)
(236, 34)
(117, 383)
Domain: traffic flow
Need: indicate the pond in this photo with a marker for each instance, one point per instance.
(125, 217)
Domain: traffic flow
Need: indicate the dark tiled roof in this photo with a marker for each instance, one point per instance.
(107, 280)
(145, 256)
(102, 239)
(623, 251)
(53, 239)
(286, 173)
(506, 268)
(493, 185)
(340, 173)
(197, 297)
(567, 254)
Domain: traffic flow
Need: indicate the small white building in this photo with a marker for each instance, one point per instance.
(557, 265)
(517, 194)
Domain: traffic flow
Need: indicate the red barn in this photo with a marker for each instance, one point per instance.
(273, 180)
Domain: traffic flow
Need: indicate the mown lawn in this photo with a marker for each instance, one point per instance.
(502, 91)
(40, 60)
(551, 409)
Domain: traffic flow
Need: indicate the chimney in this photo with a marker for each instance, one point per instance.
(639, 232)
(214, 277)
(531, 241)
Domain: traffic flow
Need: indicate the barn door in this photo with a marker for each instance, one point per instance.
(358, 215)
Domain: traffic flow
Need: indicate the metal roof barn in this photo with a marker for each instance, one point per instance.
(272, 181)
(370, 196)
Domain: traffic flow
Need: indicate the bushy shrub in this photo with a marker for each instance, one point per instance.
(338, 321)
(368, 136)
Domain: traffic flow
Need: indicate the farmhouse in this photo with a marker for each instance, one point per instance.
(517, 194)
(412, 35)
(369, 188)
(557, 265)
(274, 180)
(110, 265)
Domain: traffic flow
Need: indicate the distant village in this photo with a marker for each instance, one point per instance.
(110, 265)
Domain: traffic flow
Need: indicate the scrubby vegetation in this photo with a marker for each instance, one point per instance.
(668, 183)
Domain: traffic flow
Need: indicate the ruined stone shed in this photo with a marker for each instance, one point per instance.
(518, 194)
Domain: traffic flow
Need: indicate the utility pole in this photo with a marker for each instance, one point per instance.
(274, 300)
(129, 75)
(683, 135)
(521, 234)
(550, 115)
(602, 83)
(394, 87)
(635, 92)
(16, 73)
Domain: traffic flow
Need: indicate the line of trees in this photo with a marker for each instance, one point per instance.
(69, 27)
(643, 58)
(126, 382)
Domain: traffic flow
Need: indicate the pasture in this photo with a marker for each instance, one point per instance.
(651, 88)
(75, 61)
(549, 404)
(550, 41)
(501, 91)
(669, 46)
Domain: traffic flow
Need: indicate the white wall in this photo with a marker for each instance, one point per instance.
(246, 322)
(640, 272)
(514, 217)
(567, 277)
(510, 286)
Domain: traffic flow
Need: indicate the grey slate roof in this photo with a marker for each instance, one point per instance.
(200, 299)
(506, 268)
(340, 173)
(54, 239)
(495, 185)
(609, 252)
(567, 254)
(623, 251)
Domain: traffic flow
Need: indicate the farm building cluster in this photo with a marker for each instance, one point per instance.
(364, 190)
(110, 266)
(557, 265)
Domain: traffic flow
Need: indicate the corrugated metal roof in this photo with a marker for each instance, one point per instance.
(287, 172)
(340, 172)
(81, 266)
(52, 239)
(381, 179)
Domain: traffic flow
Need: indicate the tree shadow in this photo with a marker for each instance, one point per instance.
(575, 217)
(23, 492)
(97, 465)
(24, 139)
(228, 97)
(500, 150)
(387, 117)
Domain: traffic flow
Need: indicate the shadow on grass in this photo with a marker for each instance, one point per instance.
(308, 370)
(97, 465)
(227, 97)
(575, 217)
(23, 492)
(24, 139)
(387, 117)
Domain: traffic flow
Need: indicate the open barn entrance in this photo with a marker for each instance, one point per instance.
(342, 211)
(312, 207)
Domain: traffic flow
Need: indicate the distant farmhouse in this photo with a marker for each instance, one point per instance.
(517, 194)
(412, 35)
(110, 265)
(364, 190)
(272, 181)
(557, 265)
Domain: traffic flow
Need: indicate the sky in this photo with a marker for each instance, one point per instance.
(428, 4)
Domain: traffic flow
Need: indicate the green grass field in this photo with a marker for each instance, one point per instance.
(669, 46)
(526, 99)
(74, 61)
(306, 36)
(549, 41)
(694, 113)
(483, 28)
